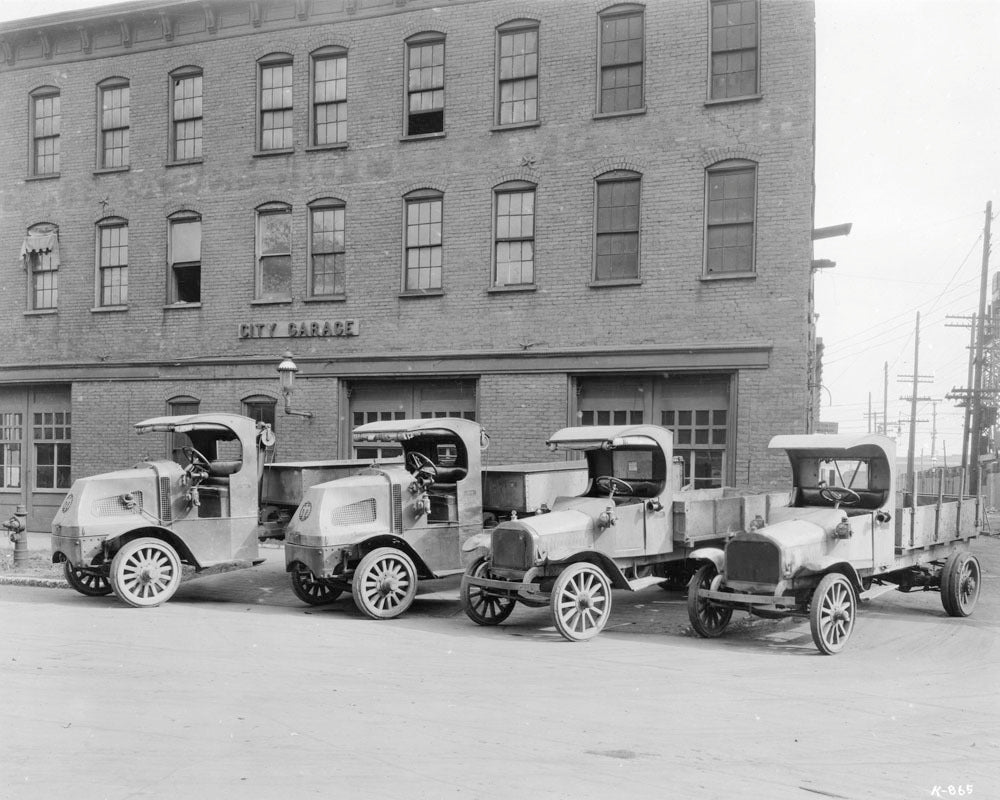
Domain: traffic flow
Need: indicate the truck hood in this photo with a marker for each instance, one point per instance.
(122, 493)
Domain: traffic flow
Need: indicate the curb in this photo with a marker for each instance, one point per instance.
(18, 580)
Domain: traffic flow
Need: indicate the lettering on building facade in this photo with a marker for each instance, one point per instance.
(326, 328)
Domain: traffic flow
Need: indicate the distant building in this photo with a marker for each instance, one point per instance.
(530, 214)
(827, 427)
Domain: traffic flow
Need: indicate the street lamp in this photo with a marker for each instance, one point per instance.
(286, 376)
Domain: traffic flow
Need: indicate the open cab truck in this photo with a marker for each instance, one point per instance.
(132, 531)
(377, 533)
(633, 526)
(841, 539)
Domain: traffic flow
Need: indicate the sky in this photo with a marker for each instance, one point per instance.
(908, 152)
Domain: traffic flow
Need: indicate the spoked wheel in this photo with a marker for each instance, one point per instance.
(146, 572)
(960, 583)
(581, 601)
(86, 582)
(708, 620)
(312, 591)
(479, 604)
(385, 583)
(832, 612)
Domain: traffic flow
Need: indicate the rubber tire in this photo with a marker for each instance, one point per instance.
(480, 606)
(86, 582)
(708, 621)
(312, 591)
(961, 582)
(384, 601)
(581, 594)
(132, 588)
(829, 636)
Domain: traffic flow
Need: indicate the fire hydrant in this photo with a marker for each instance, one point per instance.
(18, 528)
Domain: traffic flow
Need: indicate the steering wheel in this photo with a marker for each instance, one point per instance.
(197, 463)
(840, 495)
(611, 484)
(422, 464)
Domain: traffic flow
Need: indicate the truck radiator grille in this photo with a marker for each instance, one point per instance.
(117, 506)
(754, 561)
(397, 509)
(512, 549)
(166, 513)
(359, 513)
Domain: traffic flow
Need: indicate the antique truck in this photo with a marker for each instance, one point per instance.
(377, 533)
(134, 530)
(841, 539)
(630, 528)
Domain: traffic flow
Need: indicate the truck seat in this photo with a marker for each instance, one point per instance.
(450, 474)
(219, 472)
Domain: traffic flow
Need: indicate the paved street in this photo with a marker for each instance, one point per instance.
(234, 689)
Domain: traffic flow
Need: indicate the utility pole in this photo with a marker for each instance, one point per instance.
(977, 389)
(885, 399)
(913, 409)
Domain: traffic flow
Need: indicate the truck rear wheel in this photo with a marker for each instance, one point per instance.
(832, 612)
(310, 590)
(146, 572)
(385, 583)
(707, 620)
(479, 604)
(960, 583)
(86, 582)
(581, 601)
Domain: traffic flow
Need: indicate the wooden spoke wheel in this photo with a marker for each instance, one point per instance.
(707, 619)
(581, 601)
(832, 613)
(85, 581)
(312, 591)
(385, 583)
(479, 604)
(146, 572)
(961, 580)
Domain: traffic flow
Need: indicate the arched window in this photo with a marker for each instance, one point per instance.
(517, 72)
(730, 217)
(185, 114)
(261, 408)
(276, 118)
(424, 84)
(115, 121)
(184, 258)
(514, 234)
(616, 246)
(274, 252)
(46, 123)
(328, 123)
(621, 59)
(180, 406)
(112, 262)
(327, 252)
(40, 252)
(424, 246)
(734, 66)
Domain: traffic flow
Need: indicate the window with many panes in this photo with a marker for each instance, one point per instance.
(700, 437)
(730, 217)
(610, 416)
(274, 252)
(184, 258)
(180, 407)
(517, 73)
(734, 62)
(51, 435)
(423, 241)
(112, 262)
(327, 260)
(424, 84)
(514, 226)
(115, 122)
(621, 60)
(617, 226)
(329, 97)
(276, 118)
(373, 451)
(185, 114)
(11, 434)
(41, 259)
(46, 125)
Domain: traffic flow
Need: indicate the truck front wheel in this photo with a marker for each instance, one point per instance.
(385, 583)
(832, 612)
(145, 572)
(480, 605)
(707, 620)
(581, 601)
(960, 582)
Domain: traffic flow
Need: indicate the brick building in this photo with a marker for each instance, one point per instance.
(532, 214)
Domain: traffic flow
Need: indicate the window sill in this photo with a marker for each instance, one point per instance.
(406, 295)
(50, 490)
(326, 298)
(315, 148)
(632, 112)
(48, 177)
(522, 287)
(729, 276)
(41, 312)
(185, 162)
(422, 137)
(108, 309)
(181, 306)
(266, 153)
(110, 170)
(283, 301)
(516, 126)
(617, 282)
(721, 101)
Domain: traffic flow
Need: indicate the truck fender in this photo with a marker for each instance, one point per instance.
(478, 541)
(843, 567)
(365, 547)
(164, 534)
(714, 554)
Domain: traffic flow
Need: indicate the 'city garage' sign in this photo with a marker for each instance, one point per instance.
(319, 329)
